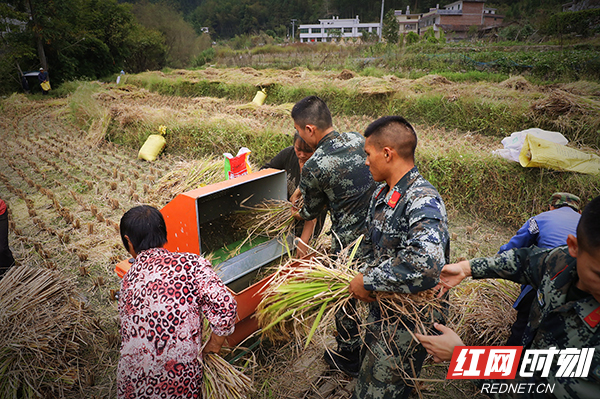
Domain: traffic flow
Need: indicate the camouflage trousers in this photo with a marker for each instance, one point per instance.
(346, 323)
(390, 357)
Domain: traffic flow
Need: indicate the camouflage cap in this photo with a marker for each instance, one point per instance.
(561, 199)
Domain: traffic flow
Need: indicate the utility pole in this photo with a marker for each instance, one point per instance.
(293, 26)
(381, 21)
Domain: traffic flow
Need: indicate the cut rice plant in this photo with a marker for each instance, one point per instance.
(317, 288)
(222, 380)
(42, 328)
(187, 176)
(271, 218)
(481, 311)
(303, 288)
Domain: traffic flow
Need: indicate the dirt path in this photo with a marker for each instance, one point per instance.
(66, 196)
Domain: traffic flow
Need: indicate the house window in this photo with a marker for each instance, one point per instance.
(303, 30)
(316, 30)
(347, 30)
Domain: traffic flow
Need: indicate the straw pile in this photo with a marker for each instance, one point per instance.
(42, 328)
(481, 311)
(221, 380)
(187, 176)
(558, 103)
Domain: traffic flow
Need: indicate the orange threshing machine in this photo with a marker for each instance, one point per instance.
(200, 221)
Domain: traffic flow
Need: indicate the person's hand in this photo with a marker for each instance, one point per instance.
(214, 344)
(452, 274)
(440, 346)
(301, 249)
(357, 289)
(295, 197)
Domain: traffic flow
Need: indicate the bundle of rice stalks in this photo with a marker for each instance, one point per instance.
(270, 218)
(222, 380)
(318, 287)
(42, 327)
(302, 288)
(187, 176)
(481, 311)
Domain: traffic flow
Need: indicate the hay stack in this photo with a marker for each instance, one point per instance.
(558, 103)
(433, 80)
(516, 83)
(42, 328)
(346, 74)
(481, 311)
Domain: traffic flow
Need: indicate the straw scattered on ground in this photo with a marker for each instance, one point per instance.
(43, 327)
(186, 176)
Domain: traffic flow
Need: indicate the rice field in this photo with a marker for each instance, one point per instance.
(67, 186)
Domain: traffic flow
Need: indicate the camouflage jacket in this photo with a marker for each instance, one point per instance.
(560, 317)
(336, 177)
(407, 244)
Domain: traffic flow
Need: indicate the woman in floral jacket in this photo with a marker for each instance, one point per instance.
(163, 299)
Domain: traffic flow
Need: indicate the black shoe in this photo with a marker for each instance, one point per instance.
(346, 361)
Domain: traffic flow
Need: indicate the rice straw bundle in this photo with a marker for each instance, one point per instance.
(305, 287)
(221, 380)
(415, 307)
(318, 287)
(42, 326)
(481, 311)
(187, 176)
(271, 218)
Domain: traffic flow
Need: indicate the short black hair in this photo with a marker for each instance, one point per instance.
(145, 227)
(302, 145)
(395, 132)
(312, 110)
(588, 229)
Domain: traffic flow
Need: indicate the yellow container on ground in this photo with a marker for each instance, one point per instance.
(538, 152)
(260, 97)
(152, 147)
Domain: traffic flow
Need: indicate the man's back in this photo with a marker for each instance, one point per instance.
(336, 177)
(546, 230)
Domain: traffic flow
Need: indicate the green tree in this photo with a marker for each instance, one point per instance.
(180, 37)
(70, 38)
(391, 27)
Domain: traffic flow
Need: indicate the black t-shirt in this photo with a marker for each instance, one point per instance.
(288, 161)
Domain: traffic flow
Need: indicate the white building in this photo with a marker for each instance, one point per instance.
(407, 22)
(328, 30)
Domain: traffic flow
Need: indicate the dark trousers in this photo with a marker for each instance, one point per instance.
(518, 328)
(6, 256)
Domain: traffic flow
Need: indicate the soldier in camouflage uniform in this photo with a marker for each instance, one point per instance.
(405, 250)
(335, 177)
(566, 312)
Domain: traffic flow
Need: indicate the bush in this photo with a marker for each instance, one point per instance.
(412, 38)
(204, 57)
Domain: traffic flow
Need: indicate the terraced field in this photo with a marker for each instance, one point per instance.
(67, 188)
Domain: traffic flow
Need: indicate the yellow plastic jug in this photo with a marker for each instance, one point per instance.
(260, 97)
